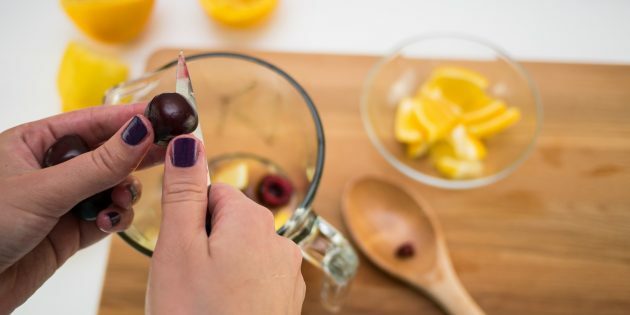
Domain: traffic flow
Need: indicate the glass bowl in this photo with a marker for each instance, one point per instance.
(399, 75)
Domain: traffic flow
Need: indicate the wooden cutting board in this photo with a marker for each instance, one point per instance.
(553, 238)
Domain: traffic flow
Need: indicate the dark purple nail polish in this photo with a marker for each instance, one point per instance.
(135, 131)
(114, 218)
(184, 152)
(133, 191)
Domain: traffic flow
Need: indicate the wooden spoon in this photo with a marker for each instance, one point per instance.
(381, 216)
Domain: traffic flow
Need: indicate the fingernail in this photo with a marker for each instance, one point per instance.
(184, 152)
(133, 191)
(114, 218)
(135, 131)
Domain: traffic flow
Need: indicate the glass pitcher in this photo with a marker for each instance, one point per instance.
(256, 116)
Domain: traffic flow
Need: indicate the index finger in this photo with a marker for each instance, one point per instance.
(94, 125)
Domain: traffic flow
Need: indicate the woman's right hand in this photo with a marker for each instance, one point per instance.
(243, 267)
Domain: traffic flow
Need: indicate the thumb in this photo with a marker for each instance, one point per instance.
(62, 186)
(184, 193)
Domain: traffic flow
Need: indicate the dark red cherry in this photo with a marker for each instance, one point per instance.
(69, 147)
(274, 191)
(89, 208)
(171, 115)
(405, 250)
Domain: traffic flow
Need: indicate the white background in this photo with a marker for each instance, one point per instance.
(33, 35)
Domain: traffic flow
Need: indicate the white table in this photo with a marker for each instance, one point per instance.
(34, 35)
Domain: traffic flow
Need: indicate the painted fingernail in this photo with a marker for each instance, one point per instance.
(184, 152)
(133, 191)
(135, 131)
(114, 218)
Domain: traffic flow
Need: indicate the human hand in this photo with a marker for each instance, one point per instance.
(243, 267)
(37, 233)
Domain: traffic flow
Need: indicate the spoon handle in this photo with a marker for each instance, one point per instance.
(451, 294)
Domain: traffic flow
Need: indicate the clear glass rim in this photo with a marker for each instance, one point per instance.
(437, 181)
(319, 130)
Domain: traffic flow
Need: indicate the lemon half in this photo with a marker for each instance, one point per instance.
(85, 75)
(238, 13)
(111, 21)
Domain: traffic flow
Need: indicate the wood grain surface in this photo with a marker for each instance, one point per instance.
(552, 238)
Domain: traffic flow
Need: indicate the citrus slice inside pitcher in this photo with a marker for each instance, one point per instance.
(234, 174)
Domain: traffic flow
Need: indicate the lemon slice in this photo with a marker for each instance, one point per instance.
(280, 218)
(84, 76)
(445, 162)
(406, 125)
(459, 169)
(112, 21)
(495, 124)
(235, 175)
(457, 85)
(465, 146)
(417, 149)
(491, 109)
(436, 116)
(463, 74)
(238, 13)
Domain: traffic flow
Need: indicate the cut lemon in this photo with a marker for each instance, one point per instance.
(441, 149)
(491, 109)
(495, 124)
(280, 218)
(112, 21)
(406, 125)
(446, 163)
(417, 149)
(465, 146)
(458, 169)
(84, 76)
(436, 116)
(456, 85)
(238, 12)
(235, 175)
(463, 74)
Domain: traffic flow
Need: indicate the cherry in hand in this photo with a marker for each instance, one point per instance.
(171, 115)
(69, 147)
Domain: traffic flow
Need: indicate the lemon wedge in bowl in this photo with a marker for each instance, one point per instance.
(447, 163)
(465, 146)
(495, 124)
(460, 86)
(407, 128)
(436, 116)
(416, 149)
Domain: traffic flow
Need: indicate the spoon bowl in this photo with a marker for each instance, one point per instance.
(381, 217)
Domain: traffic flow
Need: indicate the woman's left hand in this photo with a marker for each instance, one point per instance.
(37, 231)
